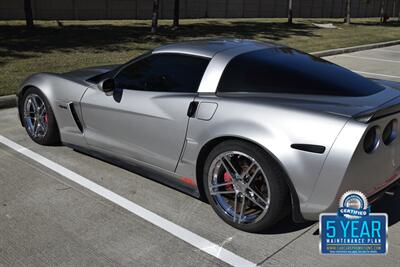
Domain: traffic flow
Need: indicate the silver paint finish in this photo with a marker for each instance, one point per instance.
(348, 167)
(206, 110)
(152, 129)
(146, 126)
(218, 63)
(61, 91)
(274, 127)
(208, 48)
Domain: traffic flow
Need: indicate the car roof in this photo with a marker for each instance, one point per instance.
(209, 47)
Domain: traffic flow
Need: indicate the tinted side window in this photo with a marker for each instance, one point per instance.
(285, 70)
(164, 73)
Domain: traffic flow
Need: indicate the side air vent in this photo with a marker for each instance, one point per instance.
(309, 148)
(75, 116)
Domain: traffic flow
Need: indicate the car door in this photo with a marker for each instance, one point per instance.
(145, 118)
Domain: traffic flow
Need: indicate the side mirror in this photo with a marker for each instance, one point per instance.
(107, 85)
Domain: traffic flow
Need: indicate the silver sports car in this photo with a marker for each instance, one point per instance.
(259, 130)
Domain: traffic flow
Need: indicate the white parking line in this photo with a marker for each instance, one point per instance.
(376, 74)
(371, 58)
(172, 228)
(388, 50)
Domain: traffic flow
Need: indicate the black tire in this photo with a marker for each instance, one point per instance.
(279, 206)
(52, 136)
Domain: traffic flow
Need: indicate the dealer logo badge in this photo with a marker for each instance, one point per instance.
(353, 205)
(353, 229)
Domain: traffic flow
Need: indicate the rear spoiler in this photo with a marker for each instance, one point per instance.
(389, 108)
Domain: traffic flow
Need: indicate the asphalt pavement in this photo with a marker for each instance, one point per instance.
(48, 219)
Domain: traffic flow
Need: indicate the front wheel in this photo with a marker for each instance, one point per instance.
(38, 118)
(245, 186)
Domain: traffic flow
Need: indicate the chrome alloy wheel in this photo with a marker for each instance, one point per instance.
(239, 187)
(35, 116)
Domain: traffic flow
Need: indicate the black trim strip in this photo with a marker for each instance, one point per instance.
(192, 108)
(309, 148)
(163, 177)
(389, 108)
(62, 106)
(75, 116)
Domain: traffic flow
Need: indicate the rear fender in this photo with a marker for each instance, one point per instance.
(275, 129)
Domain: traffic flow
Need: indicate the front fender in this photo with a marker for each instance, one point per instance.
(54, 87)
(60, 93)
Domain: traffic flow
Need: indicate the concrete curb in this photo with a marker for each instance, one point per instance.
(338, 51)
(10, 101)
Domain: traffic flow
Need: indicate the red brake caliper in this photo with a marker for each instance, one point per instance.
(228, 179)
(46, 118)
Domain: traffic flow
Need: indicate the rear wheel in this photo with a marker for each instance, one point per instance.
(38, 118)
(245, 186)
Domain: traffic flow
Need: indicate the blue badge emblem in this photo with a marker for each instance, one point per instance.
(353, 229)
(353, 205)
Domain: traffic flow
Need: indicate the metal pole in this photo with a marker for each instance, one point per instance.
(311, 9)
(399, 14)
(154, 19)
(290, 12)
(107, 9)
(186, 9)
(28, 13)
(75, 9)
(176, 14)
(348, 12)
(136, 9)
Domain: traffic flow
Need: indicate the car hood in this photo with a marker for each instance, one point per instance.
(82, 75)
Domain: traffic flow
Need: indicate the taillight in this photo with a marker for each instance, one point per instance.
(371, 139)
(390, 132)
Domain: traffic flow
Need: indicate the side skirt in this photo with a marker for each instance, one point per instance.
(165, 178)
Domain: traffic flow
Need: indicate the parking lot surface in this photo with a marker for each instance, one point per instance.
(381, 63)
(47, 219)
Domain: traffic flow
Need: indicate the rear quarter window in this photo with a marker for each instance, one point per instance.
(288, 71)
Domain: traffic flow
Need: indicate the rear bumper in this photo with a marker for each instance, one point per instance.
(349, 167)
(387, 188)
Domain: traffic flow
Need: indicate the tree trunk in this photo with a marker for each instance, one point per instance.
(347, 19)
(394, 9)
(175, 25)
(154, 19)
(28, 13)
(382, 19)
(290, 12)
